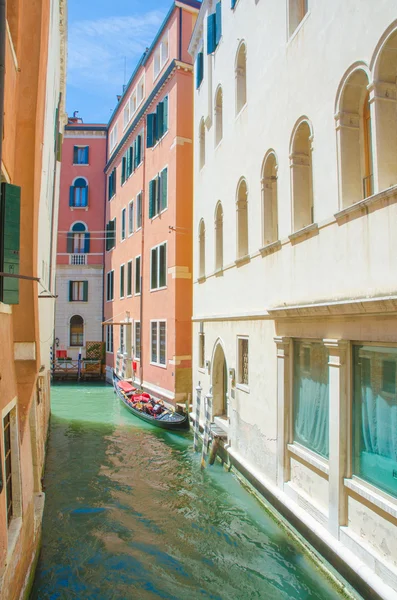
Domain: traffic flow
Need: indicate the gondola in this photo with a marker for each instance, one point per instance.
(167, 420)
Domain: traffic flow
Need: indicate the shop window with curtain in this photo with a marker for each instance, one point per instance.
(375, 416)
(77, 331)
(311, 397)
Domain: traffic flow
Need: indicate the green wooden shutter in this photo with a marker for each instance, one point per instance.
(199, 69)
(69, 243)
(218, 22)
(87, 149)
(157, 195)
(151, 126)
(138, 150)
(164, 189)
(123, 169)
(10, 223)
(114, 181)
(159, 120)
(107, 237)
(75, 155)
(165, 114)
(113, 242)
(86, 243)
(233, 3)
(85, 291)
(152, 185)
(71, 195)
(70, 291)
(211, 32)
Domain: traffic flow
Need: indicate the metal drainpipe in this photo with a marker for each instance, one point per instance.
(2, 69)
(142, 247)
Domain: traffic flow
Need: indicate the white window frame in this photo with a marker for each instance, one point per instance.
(127, 295)
(140, 340)
(141, 84)
(123, 211)
(159, 55)
(14, 527)
(242, 386)
(127, 110)
(109, 339)
(157, 363)
(122, 266)
(130, 221)
(107, 285)
(140, 196)
(157, 247)
(113, 138)
(135, 272)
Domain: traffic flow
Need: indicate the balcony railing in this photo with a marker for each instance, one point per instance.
(78, 259)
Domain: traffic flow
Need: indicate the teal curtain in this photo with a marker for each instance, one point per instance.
(311, 397)
(375, 416)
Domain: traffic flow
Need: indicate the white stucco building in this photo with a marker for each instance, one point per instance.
(295, 281)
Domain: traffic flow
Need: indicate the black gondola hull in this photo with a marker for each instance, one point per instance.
(175, 422)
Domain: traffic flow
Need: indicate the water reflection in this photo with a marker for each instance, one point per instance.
(129, 514)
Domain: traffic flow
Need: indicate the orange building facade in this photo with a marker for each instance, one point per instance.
(148, 258)
(32, 89)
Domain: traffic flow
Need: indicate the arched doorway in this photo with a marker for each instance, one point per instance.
(219, 383)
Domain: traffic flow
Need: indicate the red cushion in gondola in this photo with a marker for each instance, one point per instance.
(126, 387)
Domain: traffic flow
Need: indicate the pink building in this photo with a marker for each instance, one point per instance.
(80, 254)
(148, 261)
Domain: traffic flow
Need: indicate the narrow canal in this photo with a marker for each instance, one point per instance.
(129, 515)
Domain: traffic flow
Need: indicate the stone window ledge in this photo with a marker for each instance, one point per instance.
(366, 491)
(269, 248)
(201, 279)
(243, 260)
(298, 236)
(361, 206)
(218, 272)
(309, 457)
(222, 423)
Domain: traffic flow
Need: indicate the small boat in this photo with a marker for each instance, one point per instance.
(135, 401)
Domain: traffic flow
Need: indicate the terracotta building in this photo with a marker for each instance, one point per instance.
(80, 250)
(30, 141)
(149, 171)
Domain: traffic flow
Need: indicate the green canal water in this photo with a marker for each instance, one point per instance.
(130, 515)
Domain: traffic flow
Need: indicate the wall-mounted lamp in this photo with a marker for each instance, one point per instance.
(57, 342)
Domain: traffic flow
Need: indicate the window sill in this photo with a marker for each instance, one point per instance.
(78, 301)
(305, 232)
(110, 300)
(361, 206)
(13, 532)
(218, 144)
(243, 388)
(242, 109)
(239, 262)
(158, 214)
(131, 234)
(78, 207)
(380, 499)
(158, 365)
(137, 293)
(159, 289)
(81, 164)
(201, 279)
(309, 457)
(223, 423)
(201, 370)
(218, 272)
(298, 28)
(269, 248)
(160, 140)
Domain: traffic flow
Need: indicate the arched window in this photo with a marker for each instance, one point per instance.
(269, 199)
(301, 176)
(353, 128)
(78, 197)
(241, 77)
(77, 331)
(78, 239)
(202, 143)
(384, 107)
(218, 237)
(218, 116)
(202, 249)
(242, 220)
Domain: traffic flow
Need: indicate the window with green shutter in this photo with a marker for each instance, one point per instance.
(129, 278)
(122, 280)
(158, 267)
(137, 275)
(78, 291)
(151, 130)
(152, 191)
(211, 33)
(159, 120)
(139, 210)
(165, 115)
(163, 189)
(218, 23)
(199, 69)
(123, 169)
(10, 222)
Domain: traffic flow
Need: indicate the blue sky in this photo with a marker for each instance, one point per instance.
(102, 34)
